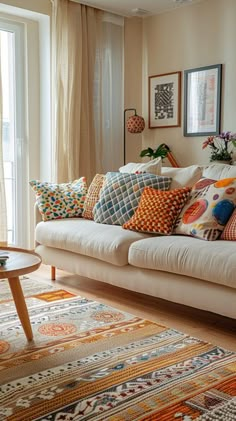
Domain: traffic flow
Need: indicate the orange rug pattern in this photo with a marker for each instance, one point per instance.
(89, 361)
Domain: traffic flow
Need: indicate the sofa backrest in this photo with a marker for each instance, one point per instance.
(219, 171)
(188, 176)
(182, 177)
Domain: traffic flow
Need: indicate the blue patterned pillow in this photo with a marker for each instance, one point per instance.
(121, 194)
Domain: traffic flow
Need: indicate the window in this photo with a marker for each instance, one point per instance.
(14, 148)
(25, 65)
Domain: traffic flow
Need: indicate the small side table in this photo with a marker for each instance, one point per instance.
(20, 262)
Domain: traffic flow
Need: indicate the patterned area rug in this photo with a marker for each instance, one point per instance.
(89, 361)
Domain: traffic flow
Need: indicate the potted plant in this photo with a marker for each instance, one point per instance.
(161, 151)
(221, 147)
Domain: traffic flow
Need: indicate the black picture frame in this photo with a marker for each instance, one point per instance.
(164, 100)
(202, 100)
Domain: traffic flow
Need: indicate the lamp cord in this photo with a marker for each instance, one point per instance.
(135, 113)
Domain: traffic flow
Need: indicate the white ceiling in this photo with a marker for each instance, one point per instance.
(130, 8)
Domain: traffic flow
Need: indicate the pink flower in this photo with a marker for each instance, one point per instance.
(208, 142)
(221, 146)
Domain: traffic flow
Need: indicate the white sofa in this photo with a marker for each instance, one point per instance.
(181, 269)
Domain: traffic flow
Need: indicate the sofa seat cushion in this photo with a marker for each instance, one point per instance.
(103, 242)
(211, 261)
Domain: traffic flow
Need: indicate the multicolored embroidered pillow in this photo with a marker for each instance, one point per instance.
(93, 195)
(229, 232)
(208, 209)
(158, 210)
(56, 201)
(121, 194)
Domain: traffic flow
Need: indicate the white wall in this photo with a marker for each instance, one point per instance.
(188, 37)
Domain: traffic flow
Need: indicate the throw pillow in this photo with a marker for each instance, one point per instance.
(229, 232)
(158, 210)
(182, 177)
(56, 201)
(153, 166)
(93, 195)
(208, 209)
(121, 194)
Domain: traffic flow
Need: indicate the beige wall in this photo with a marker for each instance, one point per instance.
(188, 37)
(133, 82)
(193, 36)
(40, 6)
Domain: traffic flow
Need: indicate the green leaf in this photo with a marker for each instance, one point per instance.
(146, 152)
(162, 151)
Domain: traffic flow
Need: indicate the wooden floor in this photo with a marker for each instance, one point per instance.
(216, 329)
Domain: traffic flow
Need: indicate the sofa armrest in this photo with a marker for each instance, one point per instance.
(37, 215)
(37, 219)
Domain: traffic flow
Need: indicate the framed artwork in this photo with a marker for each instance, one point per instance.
(202, 101)
(164, 100)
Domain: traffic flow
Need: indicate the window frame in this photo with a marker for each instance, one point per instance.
(20, 148)
(37, 91)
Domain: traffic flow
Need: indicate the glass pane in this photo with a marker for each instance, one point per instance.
(8, 101)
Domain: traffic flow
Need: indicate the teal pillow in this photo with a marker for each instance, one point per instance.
(121, 193)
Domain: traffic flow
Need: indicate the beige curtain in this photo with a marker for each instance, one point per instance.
(75, 34)
(3, 207)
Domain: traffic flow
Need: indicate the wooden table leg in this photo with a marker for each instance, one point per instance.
(53, 273)
(21, 308)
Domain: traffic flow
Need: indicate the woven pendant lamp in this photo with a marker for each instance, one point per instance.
(134, 124)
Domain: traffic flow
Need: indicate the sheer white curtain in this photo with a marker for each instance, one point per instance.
(87, 91)
(3, 207)
(109, 98)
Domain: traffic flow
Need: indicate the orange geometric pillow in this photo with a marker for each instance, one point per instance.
(93, 195)
(158, 210)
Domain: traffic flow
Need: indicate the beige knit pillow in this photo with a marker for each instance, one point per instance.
(93, 195)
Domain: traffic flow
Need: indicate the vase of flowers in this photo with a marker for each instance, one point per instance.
(221, 146)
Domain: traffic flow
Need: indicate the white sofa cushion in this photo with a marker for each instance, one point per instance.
(211, 261)
(219, 171)
(153, 166)
(182, 177)
(168, 286)
(104, 242)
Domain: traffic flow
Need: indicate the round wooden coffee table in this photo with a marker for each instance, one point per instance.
(20, 262)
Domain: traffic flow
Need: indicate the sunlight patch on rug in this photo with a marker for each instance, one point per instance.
(90, 361)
